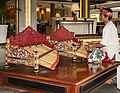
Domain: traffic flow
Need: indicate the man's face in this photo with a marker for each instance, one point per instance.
(103, 18)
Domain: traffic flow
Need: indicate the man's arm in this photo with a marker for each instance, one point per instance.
(96, 45)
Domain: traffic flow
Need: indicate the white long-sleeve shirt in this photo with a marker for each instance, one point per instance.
(110, 39)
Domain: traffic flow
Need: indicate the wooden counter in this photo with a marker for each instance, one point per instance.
(68, 77)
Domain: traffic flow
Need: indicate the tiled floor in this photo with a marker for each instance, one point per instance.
(5, 89)
(105, 88)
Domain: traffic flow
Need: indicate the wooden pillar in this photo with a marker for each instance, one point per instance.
(16, 17)
(84, 8)
(80, 3)
(87, 8)
(52, 8)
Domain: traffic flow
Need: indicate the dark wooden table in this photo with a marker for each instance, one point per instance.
(68, 77)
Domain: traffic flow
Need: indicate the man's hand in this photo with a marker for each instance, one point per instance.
(91, 45)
